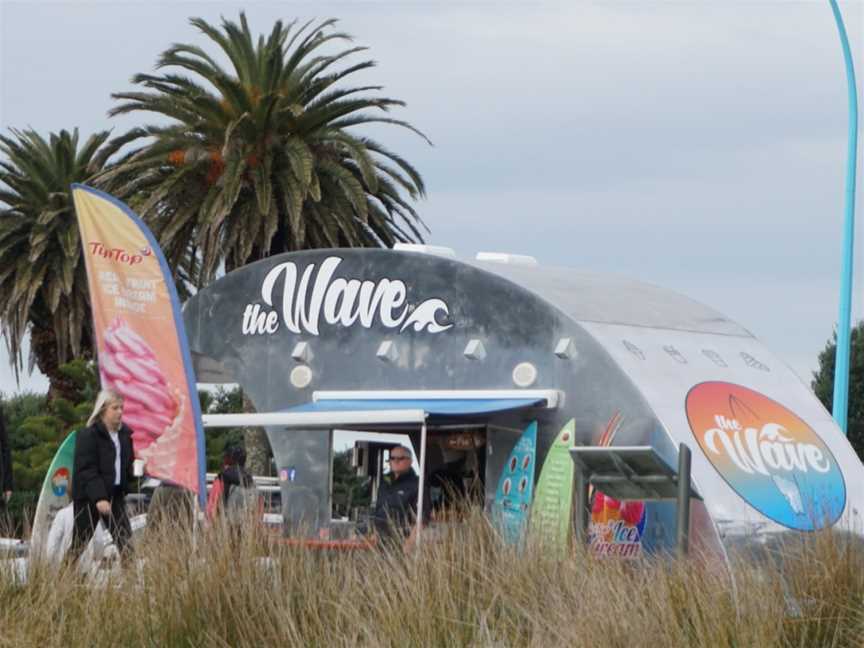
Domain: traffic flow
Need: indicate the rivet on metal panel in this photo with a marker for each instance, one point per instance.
(302, 352)
(566, 348)
(475, 350)
(387, 351)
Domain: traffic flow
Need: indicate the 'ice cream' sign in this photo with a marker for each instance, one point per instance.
(768, 455)
(616, 528)
(310, 297)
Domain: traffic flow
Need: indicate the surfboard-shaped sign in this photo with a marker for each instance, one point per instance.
(552, 511)
(515, 487)
(55, 492)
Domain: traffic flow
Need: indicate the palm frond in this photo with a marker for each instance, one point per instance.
(263, 154)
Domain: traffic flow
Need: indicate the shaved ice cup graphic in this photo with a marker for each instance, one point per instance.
(152, 407)
(616, 527)
(60, 482)
(768, 455)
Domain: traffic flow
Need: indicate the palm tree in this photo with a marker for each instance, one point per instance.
(43, 283)
(258, 159)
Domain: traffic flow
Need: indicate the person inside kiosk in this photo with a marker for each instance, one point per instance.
(452, 486)
(395, 515)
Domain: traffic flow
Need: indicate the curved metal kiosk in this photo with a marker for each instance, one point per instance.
(402, 340)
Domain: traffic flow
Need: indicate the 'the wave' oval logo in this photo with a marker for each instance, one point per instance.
(769, 456)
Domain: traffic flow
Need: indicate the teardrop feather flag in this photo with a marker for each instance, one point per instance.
(141, 343)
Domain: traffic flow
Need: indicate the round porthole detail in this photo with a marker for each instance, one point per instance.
(301, 376)
(524, 374)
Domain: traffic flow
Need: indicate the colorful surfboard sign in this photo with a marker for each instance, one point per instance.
(55, 491)
(141, 341)
(552, 511)
(512, 503)
(768, 455)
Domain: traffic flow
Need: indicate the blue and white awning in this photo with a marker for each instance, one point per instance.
(392, 408)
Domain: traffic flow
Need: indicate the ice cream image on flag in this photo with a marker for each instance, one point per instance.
(152, 407)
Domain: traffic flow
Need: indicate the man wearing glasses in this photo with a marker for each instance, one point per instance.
(395, 510)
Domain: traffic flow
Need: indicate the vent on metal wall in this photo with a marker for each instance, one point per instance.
(435, 250)
(503, 257)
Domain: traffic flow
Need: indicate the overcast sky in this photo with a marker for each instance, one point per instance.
(697, 145)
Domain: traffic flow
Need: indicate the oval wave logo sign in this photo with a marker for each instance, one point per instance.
(770, 457)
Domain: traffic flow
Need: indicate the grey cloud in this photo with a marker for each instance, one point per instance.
(698, 145)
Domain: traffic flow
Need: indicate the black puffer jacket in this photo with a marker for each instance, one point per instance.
(396, 507)
(93, 469)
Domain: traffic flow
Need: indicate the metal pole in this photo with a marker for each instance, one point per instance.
(420, 490)
(682, 531)
(841, 368)
(581, 505)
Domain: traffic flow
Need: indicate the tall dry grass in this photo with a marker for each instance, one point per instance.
(462, 589)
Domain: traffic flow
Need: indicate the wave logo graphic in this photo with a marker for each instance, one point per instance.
(316, 295)
(768, 455)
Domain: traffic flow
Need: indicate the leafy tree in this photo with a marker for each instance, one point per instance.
(37, 427)
(259, 158)
(349, 490)
(19, 407)
(823, 384)
(222, 401)
(43, 285)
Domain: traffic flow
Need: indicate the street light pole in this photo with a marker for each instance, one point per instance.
(841, 367)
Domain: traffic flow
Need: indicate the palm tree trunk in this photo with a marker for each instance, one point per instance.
(257, 446)
(43, 346)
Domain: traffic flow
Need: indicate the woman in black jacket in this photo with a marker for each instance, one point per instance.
(101, 473)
